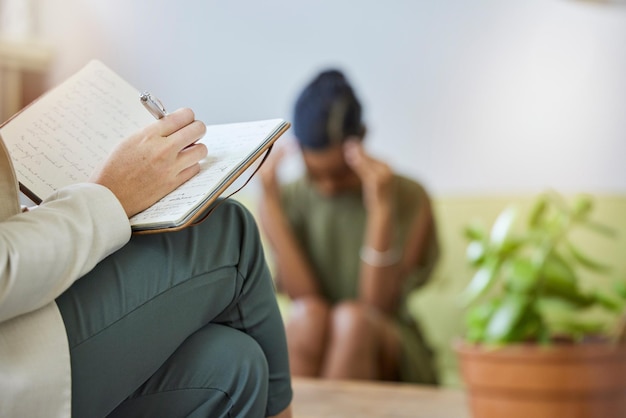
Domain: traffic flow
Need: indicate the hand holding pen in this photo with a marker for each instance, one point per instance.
(154, 105)
(155, 160)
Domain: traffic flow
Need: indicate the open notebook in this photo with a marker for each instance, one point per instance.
(60, 139)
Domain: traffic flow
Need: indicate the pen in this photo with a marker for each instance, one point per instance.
(154, 105)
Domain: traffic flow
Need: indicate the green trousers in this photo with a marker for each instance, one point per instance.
(179, 324)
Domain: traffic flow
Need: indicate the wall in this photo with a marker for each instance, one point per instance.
(490, 96)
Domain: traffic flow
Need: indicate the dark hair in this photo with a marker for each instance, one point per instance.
(327, 112)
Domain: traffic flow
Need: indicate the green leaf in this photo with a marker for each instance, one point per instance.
(521, 275)
(608, 302)
(475, 252)
(550, 306)
(587, 261)
(536, 265)
(475, 231)
(555, 310)
(502, 226)
(537, 212)
(582, 206)
(482, 280)
(559, 280)
(577, 328)
(558, 270)
(477, 318)
(479, 314)
(557, 222)
(600, 228)
(530, 327)
(511, 245)
(620, 288)
(474, 335)
(504, 320)
(568, 291)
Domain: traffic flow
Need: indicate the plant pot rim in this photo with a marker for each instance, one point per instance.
(554, 351)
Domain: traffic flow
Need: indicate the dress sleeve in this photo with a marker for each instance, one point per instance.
(415, 200)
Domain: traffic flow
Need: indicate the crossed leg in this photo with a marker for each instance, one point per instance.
(145, 317)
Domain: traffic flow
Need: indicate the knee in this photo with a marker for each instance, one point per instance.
(229, 360)
(309, 309)
(350, 320)
(246, 363)
(307, 326)
(249, 369)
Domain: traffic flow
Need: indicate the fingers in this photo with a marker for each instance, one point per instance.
(283, 149)
(268, 172)
(276, 156)
(179, 128)
(278, 153)
(192, 155)
(187, 135)
(372, 172)
(289, 144)
(175, 121)
(362, 164)
(187, 131)
(355, 155)
(176, 135)
(188, 173)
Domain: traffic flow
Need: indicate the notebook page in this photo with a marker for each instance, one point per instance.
(62, 137)
(230, 146)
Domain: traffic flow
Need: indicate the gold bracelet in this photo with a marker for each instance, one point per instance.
(377, 258)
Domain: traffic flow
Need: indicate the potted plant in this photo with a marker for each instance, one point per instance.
(539, 343)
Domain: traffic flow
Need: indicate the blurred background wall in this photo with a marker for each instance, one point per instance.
(490, 96)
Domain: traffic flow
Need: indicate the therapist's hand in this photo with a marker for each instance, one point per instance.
(154, 161)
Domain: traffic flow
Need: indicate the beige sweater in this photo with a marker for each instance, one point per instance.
(42, 253)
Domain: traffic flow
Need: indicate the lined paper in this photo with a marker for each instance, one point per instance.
(62, 137)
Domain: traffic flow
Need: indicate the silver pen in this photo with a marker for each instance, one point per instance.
(154, 105)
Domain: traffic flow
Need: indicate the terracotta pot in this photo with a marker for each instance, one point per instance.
(558, 381)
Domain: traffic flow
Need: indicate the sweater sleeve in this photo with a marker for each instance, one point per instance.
(43, 251)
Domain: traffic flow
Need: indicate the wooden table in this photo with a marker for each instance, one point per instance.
(314, 398)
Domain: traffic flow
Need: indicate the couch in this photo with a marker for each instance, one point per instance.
(437, 306)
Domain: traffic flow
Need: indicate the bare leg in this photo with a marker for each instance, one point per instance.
(307, 334)
(363, 344)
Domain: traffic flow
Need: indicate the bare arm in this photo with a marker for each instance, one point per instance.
(380, 283)
(294, 274)
(380, 280)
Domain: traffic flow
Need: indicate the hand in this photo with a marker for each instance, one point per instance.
(268, 173)
(154, 161)
(376, 176)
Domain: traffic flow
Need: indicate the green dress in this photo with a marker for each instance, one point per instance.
(331, 230)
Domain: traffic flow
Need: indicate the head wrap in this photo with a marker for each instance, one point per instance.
(326, 112)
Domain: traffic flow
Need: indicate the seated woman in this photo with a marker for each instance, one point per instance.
(95, 322)
(351, 239)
